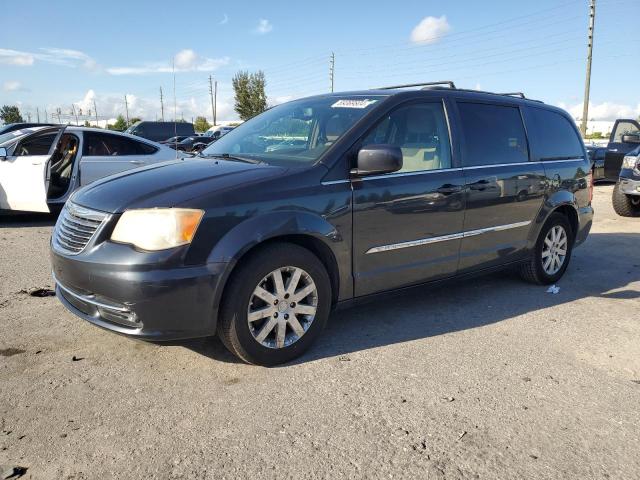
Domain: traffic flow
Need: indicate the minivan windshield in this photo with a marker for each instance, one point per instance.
(296, 133)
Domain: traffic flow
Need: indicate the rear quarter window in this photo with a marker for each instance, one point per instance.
(552, 135)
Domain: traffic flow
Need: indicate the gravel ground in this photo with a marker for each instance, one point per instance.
(492, 378)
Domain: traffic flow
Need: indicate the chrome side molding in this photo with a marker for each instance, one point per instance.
(445, 238)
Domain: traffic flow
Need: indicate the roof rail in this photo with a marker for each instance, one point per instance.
(513, 94)
(449, 83)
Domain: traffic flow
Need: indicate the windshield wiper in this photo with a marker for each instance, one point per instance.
(226, 156)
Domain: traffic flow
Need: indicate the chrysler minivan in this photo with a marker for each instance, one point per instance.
(321, 202)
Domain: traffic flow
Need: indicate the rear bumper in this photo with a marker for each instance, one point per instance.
(142, 302)
(585, 221)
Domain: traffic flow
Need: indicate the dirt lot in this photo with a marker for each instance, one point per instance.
(491, 379)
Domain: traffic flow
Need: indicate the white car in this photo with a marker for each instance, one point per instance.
(41, 166)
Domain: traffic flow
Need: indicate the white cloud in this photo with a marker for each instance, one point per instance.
(58, 56)
(109, 106)
(264, 26)
(67, 57)
(603, 111)
(185, 61)
(15, 57)
(12, 86)
(225, 20)
(430, 29)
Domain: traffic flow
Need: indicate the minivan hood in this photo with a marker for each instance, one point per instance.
(169, 184)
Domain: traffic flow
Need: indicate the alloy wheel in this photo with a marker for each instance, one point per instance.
(282, 307)
(554, 250)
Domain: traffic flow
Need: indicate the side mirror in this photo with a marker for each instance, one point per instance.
(631, 138)
(3, 153)
(378, 159)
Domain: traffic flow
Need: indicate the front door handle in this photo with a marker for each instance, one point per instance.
(136, 162)
(449, 189)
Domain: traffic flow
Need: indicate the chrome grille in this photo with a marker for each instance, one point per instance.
(75, 227)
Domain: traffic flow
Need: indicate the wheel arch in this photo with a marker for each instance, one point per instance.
(562, 202)
(307, 230)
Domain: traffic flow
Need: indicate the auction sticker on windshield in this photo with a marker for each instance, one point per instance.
(353, 103)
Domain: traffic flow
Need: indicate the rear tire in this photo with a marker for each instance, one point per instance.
(625, 205)
(268, 287)
(554, 242)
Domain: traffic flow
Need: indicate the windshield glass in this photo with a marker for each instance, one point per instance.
(7, 138)
(295, 133)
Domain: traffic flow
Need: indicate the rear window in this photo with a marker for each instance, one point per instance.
(493, 134)
(107, 145)
(552, 135)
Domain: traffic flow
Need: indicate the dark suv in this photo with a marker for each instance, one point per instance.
(320, 202)
(622, 163)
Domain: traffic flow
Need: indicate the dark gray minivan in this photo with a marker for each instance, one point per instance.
(321, 202)
(160, 131)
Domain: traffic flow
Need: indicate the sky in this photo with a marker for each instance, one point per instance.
(68, 54)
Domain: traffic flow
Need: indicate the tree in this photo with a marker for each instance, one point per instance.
(120, 124)
(201, 124)
(10, 114)
(250, 96)
(134, 120)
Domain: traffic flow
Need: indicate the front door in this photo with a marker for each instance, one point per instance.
(407, 223)
(617, 149)
(24, 171)
(504, 190)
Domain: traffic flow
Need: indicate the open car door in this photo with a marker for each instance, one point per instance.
(618, 148)
(24, 171)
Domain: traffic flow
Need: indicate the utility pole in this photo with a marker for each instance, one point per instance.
(95, 111)
(213, 104)
(161, 105)
(29, 116)
(46, 116)
(38, 113)
(126, 107)
(332, 69)
(587, 85)
(73, 110)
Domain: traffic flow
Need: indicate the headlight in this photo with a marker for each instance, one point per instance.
(630, 162)
(157, 228)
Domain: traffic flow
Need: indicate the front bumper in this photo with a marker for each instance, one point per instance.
(630, 183)
(143, 300)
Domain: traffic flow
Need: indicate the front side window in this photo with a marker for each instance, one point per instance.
(624, 128)
(552, 135)
(38, 145)
(295, 133)
(493, 134)
(420, 131)
(107, 145)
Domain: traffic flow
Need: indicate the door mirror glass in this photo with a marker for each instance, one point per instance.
(378, 159)
(631, 138)
(3, 153)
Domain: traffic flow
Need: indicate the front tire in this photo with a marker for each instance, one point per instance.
(276, 305)
(552, 252)
(625, 205)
